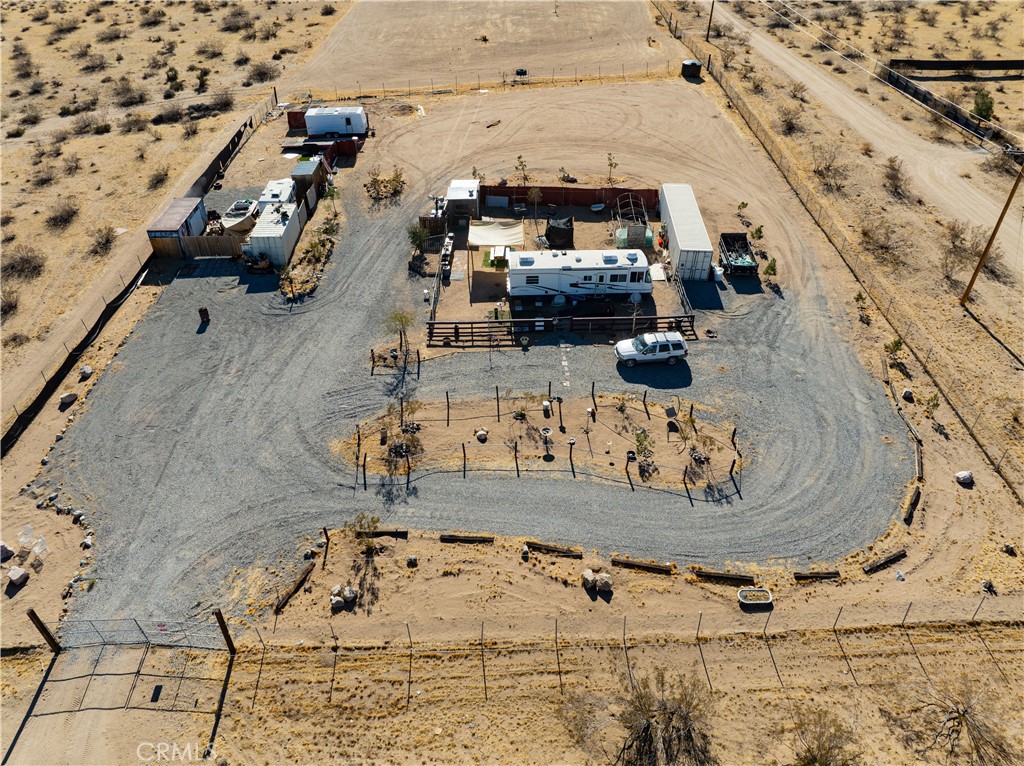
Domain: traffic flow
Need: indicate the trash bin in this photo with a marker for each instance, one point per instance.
(691, 68)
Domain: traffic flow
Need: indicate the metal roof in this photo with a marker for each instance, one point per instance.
(334, 110)
(687, 231)
(176, 213)
(569, 260)
(273, 221)
(462, 190)
(306, 168)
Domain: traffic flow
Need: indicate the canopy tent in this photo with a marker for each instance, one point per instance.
(559, 233)
(484, 233)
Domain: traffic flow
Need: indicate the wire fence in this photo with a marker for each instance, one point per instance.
(1003, 452)
(191, 634)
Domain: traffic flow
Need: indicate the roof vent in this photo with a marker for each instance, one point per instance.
(611, 258)
(631, 257)
(526, 260)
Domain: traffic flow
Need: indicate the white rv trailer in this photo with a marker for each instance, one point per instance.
(688, 244)
(576, 273)
(340, 120)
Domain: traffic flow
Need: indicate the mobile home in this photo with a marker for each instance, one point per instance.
(686, 237)
(576, 273)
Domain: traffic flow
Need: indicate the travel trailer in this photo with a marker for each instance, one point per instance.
(576, 273)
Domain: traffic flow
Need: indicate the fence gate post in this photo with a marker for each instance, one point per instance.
(45, 631)
(224, 629)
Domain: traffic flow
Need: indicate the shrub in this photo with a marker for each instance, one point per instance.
(8, 303)
(201, 6)
(40, 14)
(22, 262)
(80, 50)
(151, 17)
(263, 71)
(897, 182)
(237, 19)
(789, 119)
(126, 93)
(222, 101)
(72, 164)
(31, 116)
(667, 721)
(102, 241)
(134, 122)
(16, 339)
(210, 49)
(63, 213)
(241, 59)
(95, 62)
(267, 31)
(36, 87)
(158, 178)
(983, 104)
(79, 105)
(327, 10)
(170, 114)
(43, 176)
(109, 35)
(15, 132)
(822, 739)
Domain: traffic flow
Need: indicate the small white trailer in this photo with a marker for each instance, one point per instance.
(686, 237)
(276, 192)
(576, 273)
(275, 235)
(336, 121)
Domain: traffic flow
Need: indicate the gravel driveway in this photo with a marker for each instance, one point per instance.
(203, 451)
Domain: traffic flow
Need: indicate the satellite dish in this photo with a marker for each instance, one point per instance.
(634, 298)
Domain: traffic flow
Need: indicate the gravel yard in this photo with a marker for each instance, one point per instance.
(200, 452)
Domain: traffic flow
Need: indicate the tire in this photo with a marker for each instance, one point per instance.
(630, 362)
(672, 359)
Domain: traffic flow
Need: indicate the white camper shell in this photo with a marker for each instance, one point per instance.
(336, 120)
(576, 273)
(688, 244)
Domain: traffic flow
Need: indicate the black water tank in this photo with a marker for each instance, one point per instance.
(691, 68)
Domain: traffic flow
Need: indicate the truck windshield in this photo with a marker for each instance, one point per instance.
(639, 344)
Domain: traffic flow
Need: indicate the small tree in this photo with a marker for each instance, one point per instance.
(821, 739)
(533, 196)
(758, 234)
(418, 236)
(740, 208)
(331, 193)
(789, 118)
(897, 182)
(362, 528)
(399, 321)
(612, 164)
(522, 170)
(562, 175)
(893, 349)
(771, 269)
(983, 104)
(481, 177)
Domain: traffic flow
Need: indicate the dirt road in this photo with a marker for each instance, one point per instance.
(935, 169)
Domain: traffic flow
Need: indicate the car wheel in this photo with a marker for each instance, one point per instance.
(672, 360)
(631, 362)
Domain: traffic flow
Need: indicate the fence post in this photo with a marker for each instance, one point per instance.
(224, 629)
(447, 410)
(497, 402)
(327, 546)
(463, 460)
(483, 663)
(515, 454)
(45, 631)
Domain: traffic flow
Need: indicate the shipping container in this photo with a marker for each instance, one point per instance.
(685, 236)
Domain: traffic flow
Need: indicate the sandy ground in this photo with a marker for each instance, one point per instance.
(112, 185)
(955, 541)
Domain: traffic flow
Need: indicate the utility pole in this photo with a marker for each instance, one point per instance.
(984, 254)
(711, 14)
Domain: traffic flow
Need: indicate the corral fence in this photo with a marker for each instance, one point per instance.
(510, 332)
(1002, 451)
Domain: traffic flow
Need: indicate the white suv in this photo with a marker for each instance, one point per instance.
(652, 347)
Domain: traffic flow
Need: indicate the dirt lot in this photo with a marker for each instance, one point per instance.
(215, 446)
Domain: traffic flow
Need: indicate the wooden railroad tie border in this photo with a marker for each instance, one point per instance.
(885, 561)
(730, 577)
(282, 602)
(470, 539)
(646, 566)
(398, 534)
(554, 550)
(832, 574)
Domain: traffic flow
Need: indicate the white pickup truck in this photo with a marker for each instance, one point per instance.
(652, 347)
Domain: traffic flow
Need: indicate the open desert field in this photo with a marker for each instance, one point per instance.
(215, 466)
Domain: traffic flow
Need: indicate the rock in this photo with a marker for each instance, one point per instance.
(336, 590)
(77, 517)
(412, 562)
(308, 554)
(481, 435)
(588, 578)
(986, 586)
(87, 542)
(44, 461)
(5, 552)
(84, 372)
(604, 582)
(40, 504)
(307, 589)
(58, 438)
(349, 594)
(965, 478)
(68, 397)
(1008, 549)
(51, 497)
(908, 395)
(17, 575)
(525, 552)
(337, 603)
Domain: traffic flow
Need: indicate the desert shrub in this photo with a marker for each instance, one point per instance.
(40, 14)
(798, 90)
(267, 31)
(896, 180)
(22, 262)
(24, 68)
(8, 303)
(36, 87)
(241, 59)
(158, 178)
(222, 101)
(170, 114)
(80, 50)
(109, 34)
(884, 240)
(191, 130)
(126, 93)
(16, 339)
(62, 214)
(151, 17)
(72, 164)
(1001, 163)
(65, 26)
(83, 124)
(6, 218)
(236, 20)
(31, 116)
(210, 49)
(102, 240)
(44, 176)
(822, 739)
(134, 122)
(201, 6)
(327, 10)
(983, 104)
(262, 71)
(95, 62)
(15, 132)
(790, 119)
(87, 103)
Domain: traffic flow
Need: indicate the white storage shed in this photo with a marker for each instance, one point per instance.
(688, 244)
(463, 198)
(276, 192)
(276, 232)
(336, 120)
